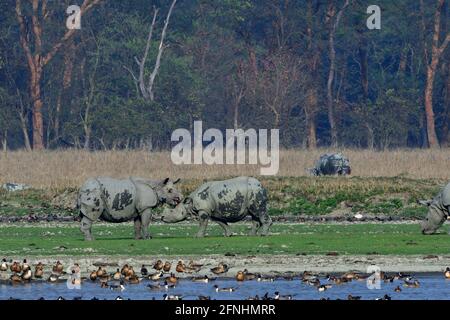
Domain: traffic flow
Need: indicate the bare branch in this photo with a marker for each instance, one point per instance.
(160, 51)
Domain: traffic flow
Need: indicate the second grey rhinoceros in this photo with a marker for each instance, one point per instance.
(115, 200)
(225, 201)
(331, 164)
(438, 211)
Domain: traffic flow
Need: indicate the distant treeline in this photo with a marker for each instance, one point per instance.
(137, 70)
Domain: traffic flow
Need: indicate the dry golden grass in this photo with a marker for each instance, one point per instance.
(69, 168)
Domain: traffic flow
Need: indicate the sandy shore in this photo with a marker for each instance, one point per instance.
(264, 264)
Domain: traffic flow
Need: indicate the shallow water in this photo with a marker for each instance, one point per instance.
(432, 286)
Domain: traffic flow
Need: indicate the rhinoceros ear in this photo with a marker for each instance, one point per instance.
(425, 202)
(176, 181)
(164, 182)
(187, 200)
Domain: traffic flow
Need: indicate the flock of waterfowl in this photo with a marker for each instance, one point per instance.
(162, 277)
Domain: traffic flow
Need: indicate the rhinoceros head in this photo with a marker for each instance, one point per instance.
(434, 219)
(179, 213)
(168, 193)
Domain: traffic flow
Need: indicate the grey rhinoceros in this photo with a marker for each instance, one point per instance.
(331, 164)
(115, 200)
(225, 201)
(438, 211)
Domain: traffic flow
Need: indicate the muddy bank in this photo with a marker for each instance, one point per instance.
(264, 264)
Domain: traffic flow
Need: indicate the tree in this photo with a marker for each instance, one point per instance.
(334, 20)
(437, 49)
(146, 87)
(37, 59)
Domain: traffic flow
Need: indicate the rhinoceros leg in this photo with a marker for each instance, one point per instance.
(137, 228)
(204, 218)
(226, 228)
(145, 219)
(256, 224)
(85, 227)
(266, 222)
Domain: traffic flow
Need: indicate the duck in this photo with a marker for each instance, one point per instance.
(248, 275)
(15, 267)
(230, 289)
(308, 275)
(15, 278)
(204, 279)
(134, 279)
(117, 275)
(313, 282)
(168, 286)
(100, 272)
(104, 285)
(240, 276)
(38, 272)
(447, 273)
(58, 267)
(324, 287)
(158, 265)
(171, 297)
(156, 276)
(154, 286)
(93, 276)
(398, 289)
(130, 272)
(350, 297)
(26, 274)
(221, 268)
(172, 278)
(278, 296)
(144, 271)
(337, 280)
(411, 284)
(124, 269)
(118, 298)
(76, 268)
(180, 267)
(53, 278)
(76, 281)
(204, 298)
(167, 266)
(4, 265)
(194, 265)
(118, 287)
(25, 265)
(265, 279)
(350, 275)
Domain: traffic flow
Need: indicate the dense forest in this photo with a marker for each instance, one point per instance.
(134, 71)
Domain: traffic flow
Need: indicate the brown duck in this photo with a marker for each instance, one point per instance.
(221, 268)
(180, 267)
(240, 276)
(158, 265)
(58, 267)
(167, 266)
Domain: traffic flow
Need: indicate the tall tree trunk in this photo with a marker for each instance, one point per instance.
(446, 129)
(334, 23)
(312, 95)
(37, 119)
(436, 51)
(69, 56)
